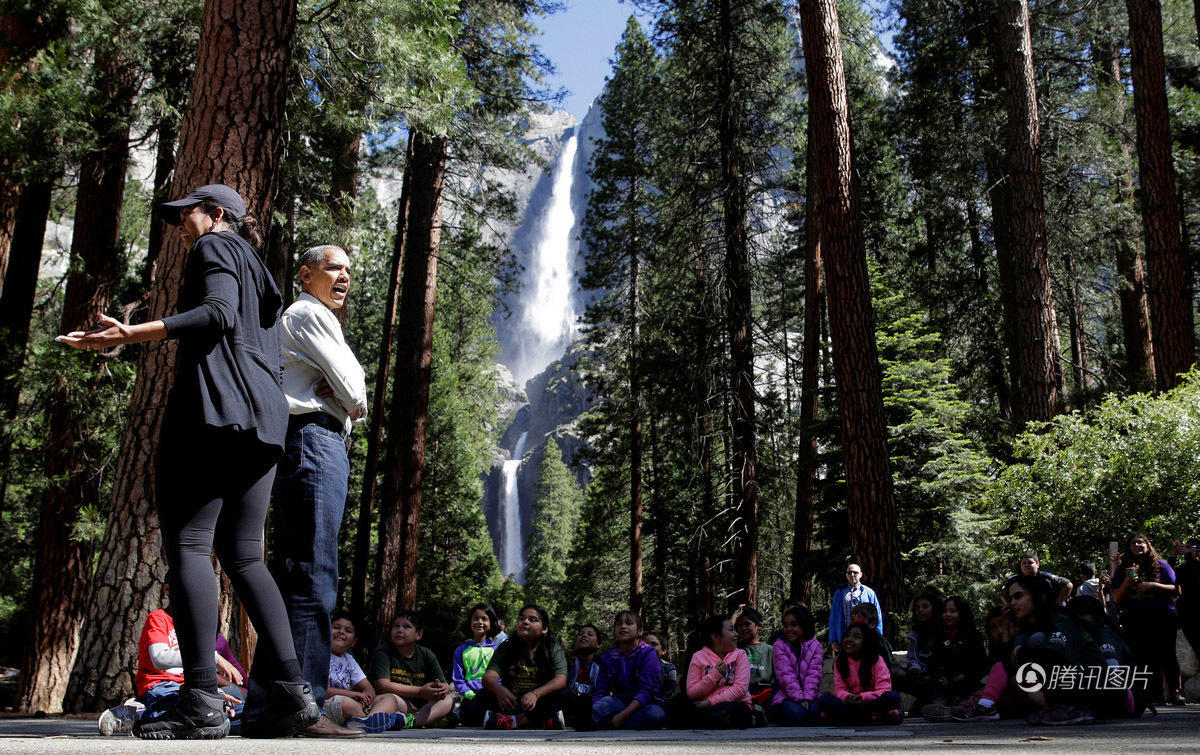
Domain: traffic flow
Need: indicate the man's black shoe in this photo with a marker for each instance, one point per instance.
(290, 707)
(196, 715)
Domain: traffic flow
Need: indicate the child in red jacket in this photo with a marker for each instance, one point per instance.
(862, 684)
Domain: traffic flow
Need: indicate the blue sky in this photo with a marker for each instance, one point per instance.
(580, 40)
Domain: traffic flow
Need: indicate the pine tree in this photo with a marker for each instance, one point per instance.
(556, 508)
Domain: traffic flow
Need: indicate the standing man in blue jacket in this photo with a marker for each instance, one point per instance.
(844, 601)
(326, 393)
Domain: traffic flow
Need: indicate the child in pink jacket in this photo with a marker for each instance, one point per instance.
(718, 683)
(862, 684)
(798, 665)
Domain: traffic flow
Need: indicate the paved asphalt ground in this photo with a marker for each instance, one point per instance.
(1174, 730)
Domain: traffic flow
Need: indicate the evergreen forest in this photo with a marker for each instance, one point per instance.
(907, 283)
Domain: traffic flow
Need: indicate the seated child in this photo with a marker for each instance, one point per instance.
(798, 659)
(411, 672)
(924, 636)
(869, 614)
(471, 660)
(525, 683)
(670, 676)
(862, 685)
(958, 661)
(159, 677)
(748, 623)
(349, 697)
(718, 682)
(626, 695)
(582, 676)
(1089, 614)
(1000, 693)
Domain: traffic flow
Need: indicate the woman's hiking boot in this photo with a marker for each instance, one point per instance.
(290, 707)
(196, 714)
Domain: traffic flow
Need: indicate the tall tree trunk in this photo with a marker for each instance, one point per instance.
(1166, 258)
(1075, 328)
(16, 303)
(366, 499)
(635, 442)
(9, 195)
(1131, 264)
(806, 457)
(702, 392)
(400, 517)
(344, 181)
(62, 565)
(874, 533)
(164, 173)
(1031, 323)
(231, 135)
(739, 315)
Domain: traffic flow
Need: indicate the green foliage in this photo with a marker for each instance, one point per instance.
(556, 507)
(1128, 465)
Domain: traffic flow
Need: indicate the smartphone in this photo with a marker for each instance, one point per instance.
(1113, 549)
(1102, 574)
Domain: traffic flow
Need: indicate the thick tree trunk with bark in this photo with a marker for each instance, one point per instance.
(231, 135)
(874, 533)
(1032, 326)
(1166, 258)
(366, 499)
(344, 180)
(739, 316)
(400, 517)
(62, 566)
(636, 597)
(806, 457)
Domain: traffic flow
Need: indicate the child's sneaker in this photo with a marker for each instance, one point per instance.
(117, 719)
(936, 712)
(376, 723)
(555, 722)
(1065, 715)
(887, 718)
(405, 721)
(494, 720)
(973, 711)
(448, 721)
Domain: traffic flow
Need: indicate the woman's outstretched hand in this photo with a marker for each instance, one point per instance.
(110, 333)
(113, 333)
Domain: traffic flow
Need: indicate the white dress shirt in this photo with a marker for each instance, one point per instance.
(314, 348)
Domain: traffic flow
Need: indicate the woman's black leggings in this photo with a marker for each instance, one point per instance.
(212, 492)
(1152, 639)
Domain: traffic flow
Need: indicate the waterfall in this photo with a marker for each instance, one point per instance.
(547, 322)
(512, 541)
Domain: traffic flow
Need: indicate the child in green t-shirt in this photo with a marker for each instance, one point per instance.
(525, 680)
(412, 673)
(748, 623)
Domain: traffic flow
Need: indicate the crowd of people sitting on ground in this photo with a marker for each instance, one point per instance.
(618, 676)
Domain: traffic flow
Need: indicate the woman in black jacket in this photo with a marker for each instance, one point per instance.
(223, 431)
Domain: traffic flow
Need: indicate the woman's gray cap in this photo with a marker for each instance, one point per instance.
(218, 194)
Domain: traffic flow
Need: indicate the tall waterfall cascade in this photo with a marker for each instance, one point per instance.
(546, 317)
(512, 539)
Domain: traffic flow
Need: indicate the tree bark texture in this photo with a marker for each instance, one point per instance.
(1166, 258)
(62, 566)
(1034, 368)
(739, 316)
(874, 533)
(366, 499)
(806, 456)
(400, 517)
(1131, 262)
(231, 135)
(164, 173)
(636, 597)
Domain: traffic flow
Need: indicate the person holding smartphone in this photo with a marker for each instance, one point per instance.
(1144, 585)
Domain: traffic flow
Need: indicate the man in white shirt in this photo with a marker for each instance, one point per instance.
(326, 394)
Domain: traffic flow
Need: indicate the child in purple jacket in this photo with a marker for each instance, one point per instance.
(798, 659)
(626, 695)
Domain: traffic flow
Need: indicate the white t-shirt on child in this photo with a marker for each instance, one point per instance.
(344, 671)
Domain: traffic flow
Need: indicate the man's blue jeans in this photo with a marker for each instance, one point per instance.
(308, 501)
(646, 717)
